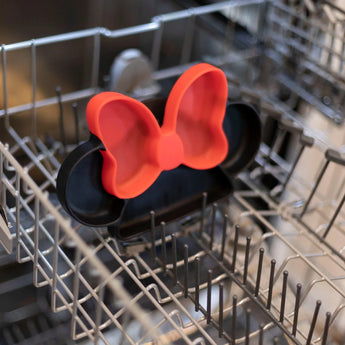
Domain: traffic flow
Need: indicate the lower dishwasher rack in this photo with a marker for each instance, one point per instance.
(265, 266)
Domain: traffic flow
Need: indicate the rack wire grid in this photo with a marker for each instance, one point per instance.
(265, 266)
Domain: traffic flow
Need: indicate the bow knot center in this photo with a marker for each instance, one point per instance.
(170, 151)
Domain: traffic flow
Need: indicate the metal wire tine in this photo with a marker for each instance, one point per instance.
(225, 225)
(76, 121)
(185, 270)
(221, 310)
(341, 64)
(61, 119)
(314, 188)
(330, 156)
(313, 322)
(36, 241)
(26, 189)
(127, 318)
(261, 334)
(234, 320)
(311, 39)
(339, 207)
(8, 336)
(153, 242)
(95, 59)
(76, 283)
(18, 218)
(330, 52)
(34, 87)
(305, 141)
(98, 315)
(229, 34)
(203, 209)
(283, 300)
(4, 83)
(270, 286)
(246, 260)
(55, 265)
(258, 276)
(275, 340)
(188, 39)
(234, 252)
(157, 41)
(262, 21)
(213, 224)
(279, 136)
(32, 327)
(247, 330)
(209, 288)
(296, 309)
(197, 281)
(326, 328)
(164, 248)
(18, 333)
(3, 188)
(174, 258)
(3, 212)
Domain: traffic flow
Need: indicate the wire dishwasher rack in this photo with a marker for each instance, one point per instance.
(266, 266)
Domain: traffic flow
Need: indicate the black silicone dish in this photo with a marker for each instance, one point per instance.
(175, 194)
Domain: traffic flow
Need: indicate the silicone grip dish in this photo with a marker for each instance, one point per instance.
(141, 133)
(137, 149)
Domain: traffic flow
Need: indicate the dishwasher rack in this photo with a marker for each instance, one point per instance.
(265, 266)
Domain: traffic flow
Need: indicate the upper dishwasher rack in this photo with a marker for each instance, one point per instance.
(266, 266)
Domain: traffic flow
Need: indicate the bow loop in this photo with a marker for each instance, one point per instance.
(129, 133)
(196, 108)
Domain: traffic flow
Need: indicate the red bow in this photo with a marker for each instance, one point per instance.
(137, 150)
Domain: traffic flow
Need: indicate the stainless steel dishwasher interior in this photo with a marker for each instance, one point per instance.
(265, 266)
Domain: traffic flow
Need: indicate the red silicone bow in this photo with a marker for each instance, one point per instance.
(137, 150)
